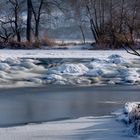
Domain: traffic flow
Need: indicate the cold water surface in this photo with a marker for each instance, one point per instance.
(31, 105)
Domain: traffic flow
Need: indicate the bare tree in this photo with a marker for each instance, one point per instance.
(16, 10)
(6, 31)
(29, 20)
(37, 16)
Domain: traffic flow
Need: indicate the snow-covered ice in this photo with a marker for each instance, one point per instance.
(128, 108)
(40, 67)
(72, 69)
(130, 115)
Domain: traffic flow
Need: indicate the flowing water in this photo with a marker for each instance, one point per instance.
(38, 104)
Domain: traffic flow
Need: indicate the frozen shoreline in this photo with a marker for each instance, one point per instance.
(87, 128)
(63, 54)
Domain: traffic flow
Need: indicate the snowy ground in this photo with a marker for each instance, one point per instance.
(88, 128)
(100, 54)
(68, 67)
(85, 128)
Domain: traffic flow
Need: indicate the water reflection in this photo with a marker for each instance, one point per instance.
(19, 106)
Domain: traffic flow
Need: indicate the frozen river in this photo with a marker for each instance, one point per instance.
(30, 105)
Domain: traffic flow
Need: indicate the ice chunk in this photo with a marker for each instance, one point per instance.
(54, 77)
(131, 76)
(83, 81)
(4, 66)
(12, 61)
(94, 72)
(3, 75)
(28, 65)
(116, 59)
(35, 80)
(114, 56)
(73, 69)
(129, 107)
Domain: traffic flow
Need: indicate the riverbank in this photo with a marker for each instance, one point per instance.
(20, 106)
(87, 128)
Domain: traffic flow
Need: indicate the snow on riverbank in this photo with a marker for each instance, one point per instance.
(63, 54)
(87, 128)
(130, 115)
(90, 68)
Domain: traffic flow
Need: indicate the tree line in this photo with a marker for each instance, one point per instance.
(113, 23)
(20, 17)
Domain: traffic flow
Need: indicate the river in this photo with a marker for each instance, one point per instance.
(40, 104)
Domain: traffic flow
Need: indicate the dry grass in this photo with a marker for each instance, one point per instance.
(13, 44)
(45, 41)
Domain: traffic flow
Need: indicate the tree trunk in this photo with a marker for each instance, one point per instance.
(37, 42)
(37, 30)
(29, 20)
(16, 27)
(37, 15)
(18, 37)
(83, 35)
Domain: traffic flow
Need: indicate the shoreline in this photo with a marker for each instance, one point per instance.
(86, 128)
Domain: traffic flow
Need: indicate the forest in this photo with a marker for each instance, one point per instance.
(113, 23)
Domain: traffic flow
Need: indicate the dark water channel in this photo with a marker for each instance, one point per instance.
(30, 105)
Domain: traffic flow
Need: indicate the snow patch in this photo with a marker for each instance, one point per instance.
(4, 66)
(131, 116)
(129, 107)
(73, 69)
(94, 72)
(88, 128)
(116, 59)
